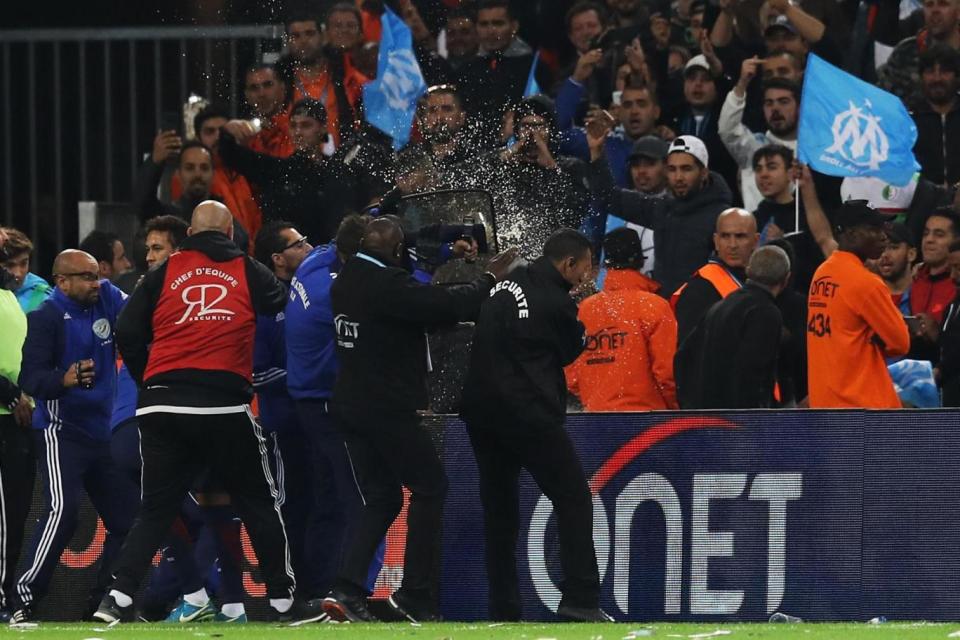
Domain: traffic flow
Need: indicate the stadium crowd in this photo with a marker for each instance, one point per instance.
(657, 138)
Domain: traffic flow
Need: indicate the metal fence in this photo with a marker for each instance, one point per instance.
(80, 107)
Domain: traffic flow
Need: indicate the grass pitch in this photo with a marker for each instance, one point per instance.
(485, 631)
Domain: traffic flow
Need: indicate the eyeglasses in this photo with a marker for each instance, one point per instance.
(86, 276)
(296, 244)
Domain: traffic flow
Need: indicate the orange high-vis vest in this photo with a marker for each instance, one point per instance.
(720, 278)
(725, 284)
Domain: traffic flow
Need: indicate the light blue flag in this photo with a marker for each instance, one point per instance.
(533, 87)
(390, 101)
(849, 127)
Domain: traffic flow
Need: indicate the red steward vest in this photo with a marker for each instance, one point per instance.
(204, 318)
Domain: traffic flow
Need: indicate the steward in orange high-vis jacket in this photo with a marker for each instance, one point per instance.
(852, 323)
(631, 337)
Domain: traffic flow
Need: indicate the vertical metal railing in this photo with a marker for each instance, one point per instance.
(86, 113)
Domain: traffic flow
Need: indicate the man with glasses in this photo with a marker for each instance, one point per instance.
(281, 248)
(69, 369)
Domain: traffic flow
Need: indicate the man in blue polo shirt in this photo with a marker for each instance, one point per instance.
(69, 368)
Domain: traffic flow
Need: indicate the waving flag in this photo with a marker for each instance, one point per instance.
(849, 127)
(533, 87)
(390, 101)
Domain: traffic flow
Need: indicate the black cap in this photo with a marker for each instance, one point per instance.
(857, 213)
(898, 233)
(649, 147)
(622, 249)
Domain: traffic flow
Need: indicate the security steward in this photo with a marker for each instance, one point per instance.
(514, 404)
(734, 239)
(381, 314)
(186, 335)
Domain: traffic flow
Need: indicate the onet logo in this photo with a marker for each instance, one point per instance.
(202, 301)
(776, 489)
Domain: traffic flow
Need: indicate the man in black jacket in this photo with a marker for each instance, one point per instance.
(514, 404)
(309, 189)
(381, 313)
(741, 338)
(683, 221)
(186, 335)
(948, 371)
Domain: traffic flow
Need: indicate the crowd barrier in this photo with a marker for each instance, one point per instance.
(826, 515)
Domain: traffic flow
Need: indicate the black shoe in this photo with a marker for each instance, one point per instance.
(23, 615)
(343, 607)
(109, 611)
(582, 614)
(406, 607)
(304, 612)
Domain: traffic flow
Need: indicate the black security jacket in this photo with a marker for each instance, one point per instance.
(381, 315)
(526, 333)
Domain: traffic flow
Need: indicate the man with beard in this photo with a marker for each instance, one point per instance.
(266, 95)
(462, 41)
(781, 107)
(938, 116)
(440, 117)
(535, 190)
(895, 265)
(311, 190)
(684, 221)
(323, 74)
(69, 368)
(852, 323)
(195, 173)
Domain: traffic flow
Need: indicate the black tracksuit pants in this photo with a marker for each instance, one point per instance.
(388, 454)
(502, 448)
(176, 448)
(18, 469)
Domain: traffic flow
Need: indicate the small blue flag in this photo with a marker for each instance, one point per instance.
(390, 101)
(533, 87)
(849, 127)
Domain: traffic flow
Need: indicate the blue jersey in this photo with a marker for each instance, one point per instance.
(270, 375)
(59, 333)
(311, 338)
(125, 400)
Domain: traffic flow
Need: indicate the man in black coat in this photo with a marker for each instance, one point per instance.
(949, 368)
(381, 314)
(741, 339)
(514, 404)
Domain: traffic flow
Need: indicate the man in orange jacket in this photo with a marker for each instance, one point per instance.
(631, 336)
(852, 323)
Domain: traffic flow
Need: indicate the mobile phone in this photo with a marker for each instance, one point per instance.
(913, 323)
(171, 120)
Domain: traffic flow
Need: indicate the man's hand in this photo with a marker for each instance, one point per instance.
(544, 157)
(706, 48)
(166, 145)
(774, 232)
(241, 130)
(74, 375)
(586, 64)
(23, 412)
(664, 132)
(748, 71)
(465, 248)
(928, 329)
(500, 264)
(633, 52)
(599, 123)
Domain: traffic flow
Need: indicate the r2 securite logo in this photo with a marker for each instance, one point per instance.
(201, 301)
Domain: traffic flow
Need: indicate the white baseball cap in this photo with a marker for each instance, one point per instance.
(881, 195)
(698, 61)
(692, 145)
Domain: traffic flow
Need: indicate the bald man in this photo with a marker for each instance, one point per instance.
(381, 314)
(734, 240)
(69, 369)
(196, 313)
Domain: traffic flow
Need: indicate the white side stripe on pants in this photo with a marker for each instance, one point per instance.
(265, 464)
(56, 510)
